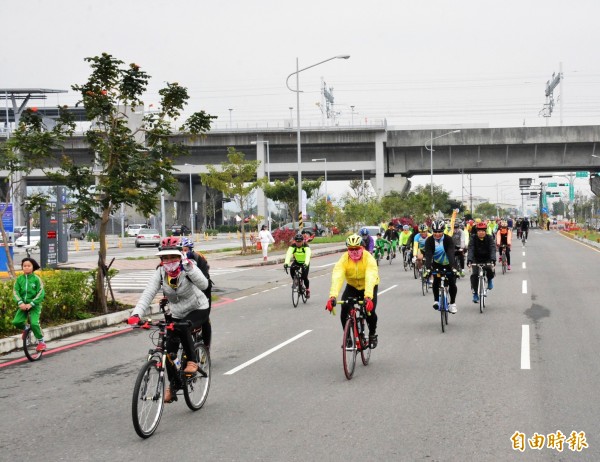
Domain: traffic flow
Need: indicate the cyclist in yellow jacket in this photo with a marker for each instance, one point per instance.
(359, 269)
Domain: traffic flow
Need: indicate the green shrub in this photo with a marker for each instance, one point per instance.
(92, 236)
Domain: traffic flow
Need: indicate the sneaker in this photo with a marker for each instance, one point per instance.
(436, 306)
(452, 308)
(191, 368)
(373, 341)
(349, 345)
(307, 293)
(490, 284)
(169, 395)
(508, 268)
(41, 347)
(475, 298)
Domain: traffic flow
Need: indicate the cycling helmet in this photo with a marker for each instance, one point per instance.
(169, 246)
(438, 226)
(363, 232)
(423, 228)
(503, 224)
(187, 242)
(353, 240)
(406, 227)
(299, 237)
(481, 225)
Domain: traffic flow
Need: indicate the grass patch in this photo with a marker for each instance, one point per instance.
(589, 235)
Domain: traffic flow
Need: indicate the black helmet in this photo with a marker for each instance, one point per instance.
(299, 237)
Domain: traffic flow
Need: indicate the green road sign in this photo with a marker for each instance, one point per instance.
(581, 174)
(552, 185)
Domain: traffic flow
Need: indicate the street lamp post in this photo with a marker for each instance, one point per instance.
(191, 203)
(430, 149)
(268, 171)
(297, 91)
(323, 159)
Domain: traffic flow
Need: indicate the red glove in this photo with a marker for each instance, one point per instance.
(133, 320)
(330, 304)
(369, 304)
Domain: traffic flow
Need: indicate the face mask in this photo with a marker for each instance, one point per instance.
(172, 268)
(355, 254)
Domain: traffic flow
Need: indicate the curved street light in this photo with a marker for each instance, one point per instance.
(430, 149)
(297, 91)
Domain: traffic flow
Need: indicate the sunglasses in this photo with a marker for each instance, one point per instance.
(354, 248)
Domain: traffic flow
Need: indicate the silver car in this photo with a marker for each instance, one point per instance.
(147, 236)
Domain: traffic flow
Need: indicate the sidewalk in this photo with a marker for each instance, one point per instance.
(229, 259)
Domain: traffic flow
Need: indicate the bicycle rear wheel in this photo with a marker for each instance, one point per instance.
(503, 265)
(147, 405)
(195, 390)
(349, 349)
(295, 292)
(30, 344)
(303, 292)
(424, 286)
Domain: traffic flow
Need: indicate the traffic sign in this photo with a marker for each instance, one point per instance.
(552, 185)
(581, 174)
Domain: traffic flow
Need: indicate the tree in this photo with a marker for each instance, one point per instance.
(235, 179)
(132, 166)
(324, 212)
(287, 192)
(31, 146)
(486, 209)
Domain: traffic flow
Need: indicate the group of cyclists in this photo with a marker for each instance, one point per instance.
(183, 278)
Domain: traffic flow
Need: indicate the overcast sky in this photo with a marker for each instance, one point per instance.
(413, 63)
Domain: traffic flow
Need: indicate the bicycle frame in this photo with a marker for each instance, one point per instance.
(359, 342)
(444, 301)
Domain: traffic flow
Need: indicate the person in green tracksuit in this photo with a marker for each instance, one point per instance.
(28, 294)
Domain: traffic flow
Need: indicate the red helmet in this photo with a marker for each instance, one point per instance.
(170, 243)
(481, 225)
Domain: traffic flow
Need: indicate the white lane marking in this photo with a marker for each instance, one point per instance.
(324, 266)
(240, 298)
(384, 291)
(524, 266)
(266, 353)
(525, 363)
(523, 253)
(524, 287)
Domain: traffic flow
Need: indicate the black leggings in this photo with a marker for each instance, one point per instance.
(350, 291)
(183, 335)
(303, 272)
(452, 289)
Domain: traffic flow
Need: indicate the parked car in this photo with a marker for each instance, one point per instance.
(147, 236)
(33, 240)
(75, 231)
(315, 229)
(180, 230)
(373, 230)
(134, 229)
(19, 231)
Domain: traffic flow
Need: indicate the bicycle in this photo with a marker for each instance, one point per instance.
(298, 289)
(148, 392)
(406, 258)
(502, 258)
(379, 253)
(482, 284)
(30, 343)
(424, 282)
(355, 339)
(523, 238)
(444, 301)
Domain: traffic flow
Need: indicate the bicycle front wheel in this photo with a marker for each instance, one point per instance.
(295, 292)
(365, 347)
(481, 294)
(30, 344)
(424, 287)
(442, 308)
(195, 390)
(349, 349)
(415, 271)
(148, 399)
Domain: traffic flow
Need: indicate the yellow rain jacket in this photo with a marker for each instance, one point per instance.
(362, 274)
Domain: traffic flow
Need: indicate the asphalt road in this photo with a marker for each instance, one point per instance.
(426, 395)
